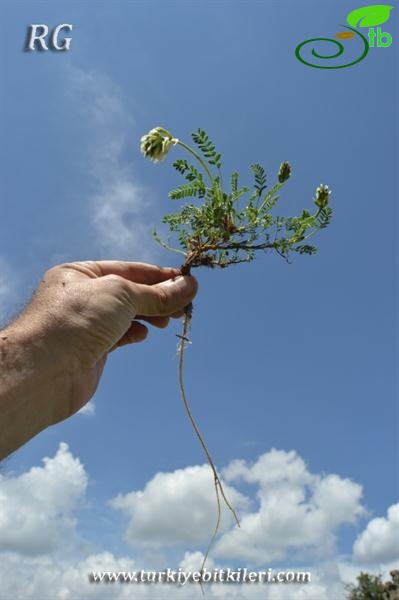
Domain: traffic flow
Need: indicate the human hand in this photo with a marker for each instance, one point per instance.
(81, 312)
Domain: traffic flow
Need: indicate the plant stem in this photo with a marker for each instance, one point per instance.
(204, 165)
(167, 247)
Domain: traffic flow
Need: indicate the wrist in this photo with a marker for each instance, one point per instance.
(29, 378)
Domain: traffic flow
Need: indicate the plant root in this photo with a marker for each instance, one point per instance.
(184, 339)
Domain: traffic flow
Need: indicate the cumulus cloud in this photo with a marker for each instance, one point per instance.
(177, 507)
(36, 508)
(50, 578)
(297, 509)
(118, 207)
(47, 578)
(289, 511)
(379, 542)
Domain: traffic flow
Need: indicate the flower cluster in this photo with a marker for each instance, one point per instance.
(322, 196)
(284, 172)
(156, 144)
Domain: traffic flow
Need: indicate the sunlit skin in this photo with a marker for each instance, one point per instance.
(53, 355)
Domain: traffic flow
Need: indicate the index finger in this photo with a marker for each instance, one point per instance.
(137, 272)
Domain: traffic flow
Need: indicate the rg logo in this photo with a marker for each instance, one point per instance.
(37, 34)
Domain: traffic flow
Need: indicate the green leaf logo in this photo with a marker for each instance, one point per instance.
(369, 16)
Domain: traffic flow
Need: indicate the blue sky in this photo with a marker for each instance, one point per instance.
(298, 357)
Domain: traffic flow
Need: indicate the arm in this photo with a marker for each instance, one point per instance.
(52, 357)
(29, 379)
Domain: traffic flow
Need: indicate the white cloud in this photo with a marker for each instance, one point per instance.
(118, 211)
(37, 506)
(89, 409)
(297, 509)
(41, 555)
(50, 578)
(275, 468)
(379, 542)
(118, 207)
(298, 512)
(177, 507)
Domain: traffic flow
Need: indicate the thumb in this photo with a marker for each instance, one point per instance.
(164, 298)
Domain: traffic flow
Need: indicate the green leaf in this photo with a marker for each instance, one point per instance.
(306, 249)
(324, 217)
(207, 147)
(234, 182)
(187, 190)
(270, 198)
(260, 178)
(237, 195)
(369, 16)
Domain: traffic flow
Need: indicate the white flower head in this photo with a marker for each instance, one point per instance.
(156, 144)
(322, 196)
